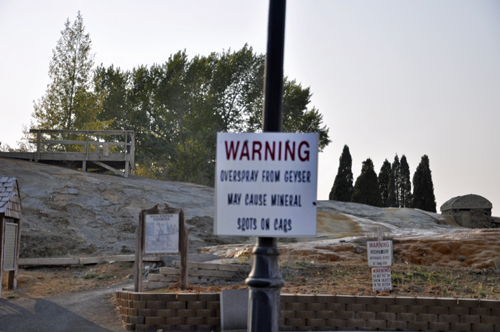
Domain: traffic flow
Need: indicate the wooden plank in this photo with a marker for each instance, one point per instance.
(162, 278)
(49, 261)
(91, 260)
(169, 270)
(212, 266)
(83, 260)
(212, 273)
(198, 265)
(80, 156)
(75, 142)
(109, 168)
(64, 142)
(79, 132)
(18, 155)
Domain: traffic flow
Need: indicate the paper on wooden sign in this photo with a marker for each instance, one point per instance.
(161, 234)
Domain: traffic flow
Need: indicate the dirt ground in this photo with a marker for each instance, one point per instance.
(51, 281)
(301, 277)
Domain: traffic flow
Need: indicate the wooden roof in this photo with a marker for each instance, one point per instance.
(10, 200)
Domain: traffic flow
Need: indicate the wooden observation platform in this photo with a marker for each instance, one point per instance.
(111, 150)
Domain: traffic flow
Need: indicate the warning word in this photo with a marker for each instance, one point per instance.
(267, 150)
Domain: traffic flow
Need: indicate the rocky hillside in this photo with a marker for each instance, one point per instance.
(68, 212)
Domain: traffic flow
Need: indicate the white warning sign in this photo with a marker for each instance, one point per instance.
(381, 278)
(379, 253)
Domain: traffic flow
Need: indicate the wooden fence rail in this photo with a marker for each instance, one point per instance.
(94, 151)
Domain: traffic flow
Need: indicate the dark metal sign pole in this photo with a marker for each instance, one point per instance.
(265, 279)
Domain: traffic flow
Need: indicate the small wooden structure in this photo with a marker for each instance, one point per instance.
(10, 229)
(111, 150)
(161, 230)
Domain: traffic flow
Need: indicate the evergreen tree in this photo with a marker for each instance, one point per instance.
(405, 184)
(342, 186)
(366, 189)
(383, 181)
(68, 102)
(394, 195)
(423, 188)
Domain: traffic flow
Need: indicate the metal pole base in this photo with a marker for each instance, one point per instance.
(265, 283)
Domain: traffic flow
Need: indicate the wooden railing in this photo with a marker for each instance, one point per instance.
(92, 147)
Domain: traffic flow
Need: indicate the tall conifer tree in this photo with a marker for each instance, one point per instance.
(383, 181)
(393, 199)
(366, 189)
(423, 188)
(405, 184)
(342, 186)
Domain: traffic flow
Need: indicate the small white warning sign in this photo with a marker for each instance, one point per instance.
(381, 278)
(379, 253)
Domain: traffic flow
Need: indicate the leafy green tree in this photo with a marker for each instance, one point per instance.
(297, 118)
(405, 184)
(423, 188)
(342, 186)
(68, 102)
(177, 108)
(383, 180)
(366, 189)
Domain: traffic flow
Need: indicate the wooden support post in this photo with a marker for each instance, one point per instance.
(183, 248)
(12, 281)
(138, 253)
(38, 139)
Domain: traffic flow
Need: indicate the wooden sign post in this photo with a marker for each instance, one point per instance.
(161, 230)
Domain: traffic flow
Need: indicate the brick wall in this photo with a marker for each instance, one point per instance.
(201, 312)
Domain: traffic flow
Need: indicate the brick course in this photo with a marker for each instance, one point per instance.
(201, 312)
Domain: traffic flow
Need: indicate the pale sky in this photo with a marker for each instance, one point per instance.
(406, 77)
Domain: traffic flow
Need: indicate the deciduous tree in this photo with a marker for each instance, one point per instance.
(177, 108)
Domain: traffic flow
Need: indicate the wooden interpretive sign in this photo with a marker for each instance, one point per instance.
(161, 231)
